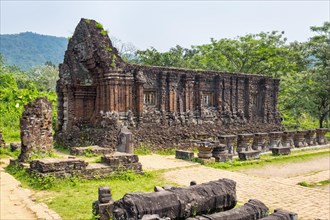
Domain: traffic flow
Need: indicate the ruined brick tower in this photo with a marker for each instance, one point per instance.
(98, 93)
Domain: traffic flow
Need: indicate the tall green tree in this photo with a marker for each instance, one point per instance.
(319, 48)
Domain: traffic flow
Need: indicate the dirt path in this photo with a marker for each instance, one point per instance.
(17, 203)
(278, 191)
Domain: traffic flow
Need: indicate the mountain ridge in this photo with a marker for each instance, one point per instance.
(28, 49)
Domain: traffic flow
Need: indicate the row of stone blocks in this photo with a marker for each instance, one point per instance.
(75, 167)
(213, 200)
(249, 146)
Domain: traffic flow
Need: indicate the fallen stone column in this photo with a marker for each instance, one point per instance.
(253, 209)
(178, 203)
(280, 214)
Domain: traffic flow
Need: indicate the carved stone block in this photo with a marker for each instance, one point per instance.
(287, 139)
(320, 135)
(299, 139)
(281, 150)
(311, 137)
(260, 141)
(185, 155)
(275, 139)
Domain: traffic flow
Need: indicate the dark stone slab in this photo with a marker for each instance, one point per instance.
(119, 159)
(91, 149)
(281, 150)
(249, 155)
(280, 214)
(185, 155)
(223, 158)
(253, 209)
(53, 164)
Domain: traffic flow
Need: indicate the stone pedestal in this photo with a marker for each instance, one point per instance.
(123, 161)
(220, 153)
(249, 155)
(125, 141)
(299, 139)
(311, 137)
(204, 149)
(287, 139)
(103, 207)
(185, 155)
(275, 139)
(260, 141)
(229, 141)
(244, 142)
(281, 150)
(320, 135)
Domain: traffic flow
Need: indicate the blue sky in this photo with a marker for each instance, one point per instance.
(164, 24)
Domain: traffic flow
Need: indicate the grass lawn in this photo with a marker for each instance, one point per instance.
(72, 198)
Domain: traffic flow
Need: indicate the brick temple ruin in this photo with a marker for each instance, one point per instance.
(98, 93)
(36, 129)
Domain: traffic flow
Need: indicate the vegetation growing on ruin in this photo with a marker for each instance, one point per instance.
(314, 184)
(17, 88)
(6, 152)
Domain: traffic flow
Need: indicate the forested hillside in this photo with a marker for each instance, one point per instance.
(26, 50)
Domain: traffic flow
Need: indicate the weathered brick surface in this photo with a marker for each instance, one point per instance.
(36, 128)
(53, 165)
(99, 92)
